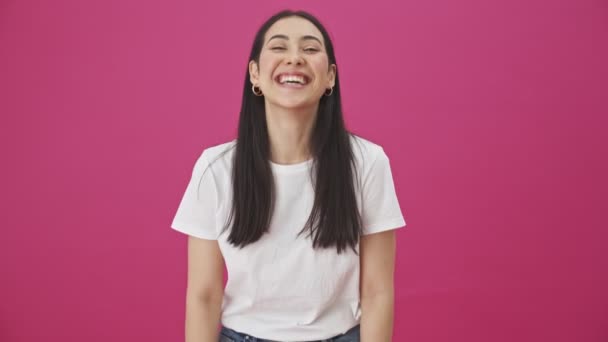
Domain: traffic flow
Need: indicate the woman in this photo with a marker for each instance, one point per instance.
(300, 211)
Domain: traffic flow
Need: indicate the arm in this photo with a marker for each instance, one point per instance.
(205, 290)
(377, 253)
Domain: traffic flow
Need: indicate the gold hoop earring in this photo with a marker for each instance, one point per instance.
(257, 93)
(331, 91)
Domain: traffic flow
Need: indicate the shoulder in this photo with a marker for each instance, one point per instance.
(365, 151)
(217, 156)
(219, 150)
(367, 146)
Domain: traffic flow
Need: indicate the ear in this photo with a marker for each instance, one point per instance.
(332, 75)
(254, 75)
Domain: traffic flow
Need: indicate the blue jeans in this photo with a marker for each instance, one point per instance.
(229, 335)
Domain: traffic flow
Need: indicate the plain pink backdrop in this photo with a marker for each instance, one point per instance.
(493, 114)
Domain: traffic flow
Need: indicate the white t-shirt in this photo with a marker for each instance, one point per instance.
(279, 288)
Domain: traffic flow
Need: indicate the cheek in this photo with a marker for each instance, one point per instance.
(267, 64)
(321, 67)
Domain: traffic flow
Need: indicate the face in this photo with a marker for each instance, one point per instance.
(293, 70)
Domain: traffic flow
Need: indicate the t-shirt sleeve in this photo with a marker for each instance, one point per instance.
(381, 210)
(196, 212)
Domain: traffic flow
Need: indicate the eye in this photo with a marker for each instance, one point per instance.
(311, 50)
(277, 48)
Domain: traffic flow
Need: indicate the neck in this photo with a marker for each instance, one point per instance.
(289, 132)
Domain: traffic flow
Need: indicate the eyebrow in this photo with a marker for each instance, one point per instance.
(306, 37)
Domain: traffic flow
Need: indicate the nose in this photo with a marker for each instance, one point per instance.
(295, 58)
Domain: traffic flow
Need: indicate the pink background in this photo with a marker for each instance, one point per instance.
(493, 114)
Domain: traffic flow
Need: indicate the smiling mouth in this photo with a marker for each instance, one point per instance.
(292, 81)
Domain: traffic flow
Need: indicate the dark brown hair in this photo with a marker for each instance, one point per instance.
(334, 220)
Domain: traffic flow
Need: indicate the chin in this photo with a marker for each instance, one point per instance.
(294, 103)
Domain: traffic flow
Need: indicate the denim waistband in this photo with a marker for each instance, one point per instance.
(230, 335)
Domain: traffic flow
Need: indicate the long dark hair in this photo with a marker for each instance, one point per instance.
(335, 219)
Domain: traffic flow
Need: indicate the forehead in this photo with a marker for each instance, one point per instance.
(294, 28)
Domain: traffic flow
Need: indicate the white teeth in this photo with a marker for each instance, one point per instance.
(298, 79)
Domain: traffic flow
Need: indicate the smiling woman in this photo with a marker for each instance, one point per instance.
(299, 210)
